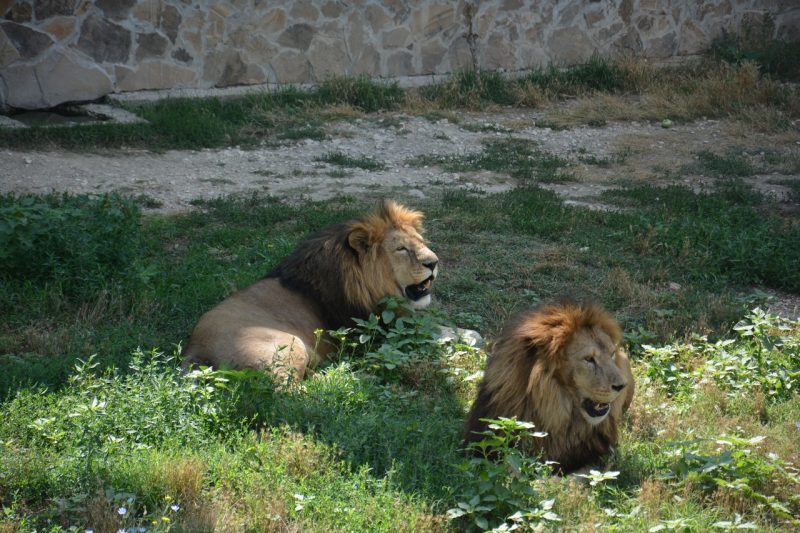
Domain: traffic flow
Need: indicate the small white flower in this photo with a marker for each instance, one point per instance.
(175, 507)
(88, 531)
(122, 510)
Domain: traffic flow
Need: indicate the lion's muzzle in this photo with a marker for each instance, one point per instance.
(420, 290)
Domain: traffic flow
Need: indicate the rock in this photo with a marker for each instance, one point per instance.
(150, 45)
(297, 36)
(60, 77)
(291, 66)
(104, 41)
(153, 75)
(48, 8)
(328, 57)
(116, 9)
(8, 52)
(28, 42)
(459, 335)
(567, 45)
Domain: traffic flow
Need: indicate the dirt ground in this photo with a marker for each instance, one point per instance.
(631, 152)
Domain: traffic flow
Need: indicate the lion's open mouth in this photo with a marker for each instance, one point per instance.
(595, 409)
(420, 290)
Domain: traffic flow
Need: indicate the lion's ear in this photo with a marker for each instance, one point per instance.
(362, 235)
(358, 239)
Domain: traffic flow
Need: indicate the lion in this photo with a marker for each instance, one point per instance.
(337, 274)
(560, 367)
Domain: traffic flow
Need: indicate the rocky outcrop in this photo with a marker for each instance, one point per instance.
(55, 51)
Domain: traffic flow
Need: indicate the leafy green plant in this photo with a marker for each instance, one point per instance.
(78, 243)
(734, 464)
(764, 357)
(499, 492)
(391, 344)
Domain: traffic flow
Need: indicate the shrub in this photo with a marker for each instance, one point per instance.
(764, 357)
(76, 242)
(499, 491)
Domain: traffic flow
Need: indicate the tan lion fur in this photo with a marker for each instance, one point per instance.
(532, 375)
(334, 275)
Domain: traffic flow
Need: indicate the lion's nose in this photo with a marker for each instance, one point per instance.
(431, 264)
(618, 387)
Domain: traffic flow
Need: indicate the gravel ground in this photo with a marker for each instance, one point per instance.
(175, 178)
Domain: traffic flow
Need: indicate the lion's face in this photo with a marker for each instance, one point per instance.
(591, 365)
(413, 264)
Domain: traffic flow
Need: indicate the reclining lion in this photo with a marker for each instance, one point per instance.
(334, 275)
(560, 367)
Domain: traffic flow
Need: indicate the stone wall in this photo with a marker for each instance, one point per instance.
(54, 51)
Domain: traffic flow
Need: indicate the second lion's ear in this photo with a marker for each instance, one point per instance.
(359, 239)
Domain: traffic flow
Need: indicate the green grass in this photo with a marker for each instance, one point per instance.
(519, 158)
(731, 165)
(370, 441)
(343, 160)
(183, 123)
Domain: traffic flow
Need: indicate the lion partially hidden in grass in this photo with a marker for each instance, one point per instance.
(337, 274)
(559, 367)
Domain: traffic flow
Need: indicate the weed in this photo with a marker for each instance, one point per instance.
(344, 160)
(360, 92)
(754, 42)
(81, 244)
(733, 464)
(517, 157)
(498, 488)
(731, 165)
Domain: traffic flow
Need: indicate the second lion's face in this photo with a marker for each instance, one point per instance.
(414, 266)
(592, 365)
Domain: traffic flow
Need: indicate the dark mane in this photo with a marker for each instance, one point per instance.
(316, 270)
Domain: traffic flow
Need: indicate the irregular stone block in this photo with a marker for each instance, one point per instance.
(432, 54)
(661, 47)
(182, 55)
(499, 53)
(20, 12)
(8, 52)
(369, 62)
(440, 18)
(116, 9)
(377, 17)
(58, 78)
(400, 64)
(28, 42)
(170, 21)
(297, 36)
(396, 38)
(48, 8)
(229, 67)
(570, 46)
(150, 45)
(60, 28)
(332, 9)
(328, 57)
(153, 75)
(291, 66)
(104, 41)
(304, 10)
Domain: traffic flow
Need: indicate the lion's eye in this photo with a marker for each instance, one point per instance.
(590, 360)
(402, 249)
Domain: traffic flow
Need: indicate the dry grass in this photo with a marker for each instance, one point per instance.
(706, 89)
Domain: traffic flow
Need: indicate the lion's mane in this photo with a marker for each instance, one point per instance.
(525, 378)
(326, 269)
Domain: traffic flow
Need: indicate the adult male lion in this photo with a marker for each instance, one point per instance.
(336, 274)
(559, 367)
